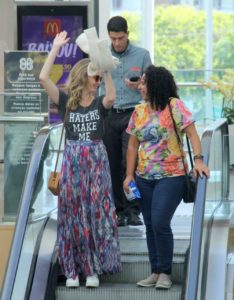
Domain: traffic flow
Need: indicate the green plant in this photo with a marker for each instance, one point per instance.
(225, 86)
(228, 113)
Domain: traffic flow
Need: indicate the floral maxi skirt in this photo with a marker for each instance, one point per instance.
(87, 229)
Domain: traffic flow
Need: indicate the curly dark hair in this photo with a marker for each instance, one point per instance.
(160, 85)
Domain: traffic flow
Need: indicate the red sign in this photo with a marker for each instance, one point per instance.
(52, 27)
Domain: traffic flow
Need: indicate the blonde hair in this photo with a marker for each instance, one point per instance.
(76, 82)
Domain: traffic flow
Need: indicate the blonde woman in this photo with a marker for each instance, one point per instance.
(87, 231)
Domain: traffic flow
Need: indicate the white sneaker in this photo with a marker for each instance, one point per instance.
(149, 281)
(92, 281)
(70, 282)
(164, 281)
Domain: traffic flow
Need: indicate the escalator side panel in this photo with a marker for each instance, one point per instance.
(44, 259)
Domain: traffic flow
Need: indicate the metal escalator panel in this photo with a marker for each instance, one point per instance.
(27, 259)
(36, 204)
(42, 275)
(210, 195)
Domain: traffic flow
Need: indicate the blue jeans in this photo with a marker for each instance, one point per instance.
(159, 200)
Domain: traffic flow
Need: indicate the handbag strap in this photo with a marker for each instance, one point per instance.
(189, 151)
(60, 142)
(180, 143)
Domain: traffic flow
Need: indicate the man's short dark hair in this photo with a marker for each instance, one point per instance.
(117, 24)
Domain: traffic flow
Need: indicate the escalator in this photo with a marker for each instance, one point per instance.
(33, 271)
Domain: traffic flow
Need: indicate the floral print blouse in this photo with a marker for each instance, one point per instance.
(159, 154)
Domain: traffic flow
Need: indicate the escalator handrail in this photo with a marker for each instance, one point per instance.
(23, 211)
(191, 287)
(25, 202)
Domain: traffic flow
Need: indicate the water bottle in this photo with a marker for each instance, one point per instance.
(133, 193)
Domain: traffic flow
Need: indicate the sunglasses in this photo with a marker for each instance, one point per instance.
(97, 78)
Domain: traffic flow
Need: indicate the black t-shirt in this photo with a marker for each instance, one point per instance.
(84, 123)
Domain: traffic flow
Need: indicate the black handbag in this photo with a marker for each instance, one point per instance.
(191, 180)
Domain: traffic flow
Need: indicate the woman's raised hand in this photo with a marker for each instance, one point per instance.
(60, 39)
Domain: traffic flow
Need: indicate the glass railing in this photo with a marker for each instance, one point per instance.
(43, 201)
(205, 104)
(37, 204)
(22, 115)
(21, 118)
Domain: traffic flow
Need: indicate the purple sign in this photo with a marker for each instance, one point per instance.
(38, 33)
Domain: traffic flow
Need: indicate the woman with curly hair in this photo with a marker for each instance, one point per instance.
(87, 231)
(160, 174)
